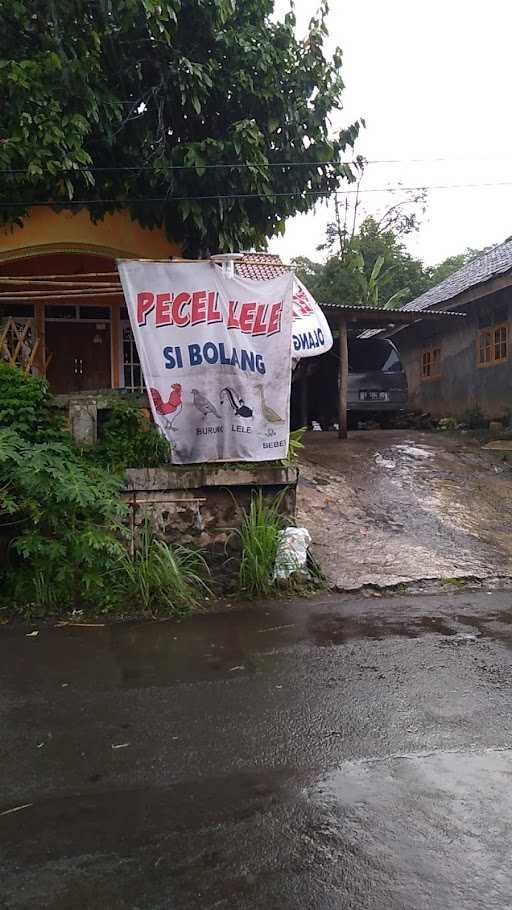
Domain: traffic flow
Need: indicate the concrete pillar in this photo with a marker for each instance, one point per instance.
(343, 380)
(83, 420)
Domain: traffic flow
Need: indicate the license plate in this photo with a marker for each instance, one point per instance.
(373, 396)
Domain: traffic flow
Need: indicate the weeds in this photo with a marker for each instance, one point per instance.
(295, 444)
(162, 576)
(259, 532)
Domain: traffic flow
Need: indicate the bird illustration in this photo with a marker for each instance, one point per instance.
(268, 412)
(173, 406)
(237, 403)
(203, 405)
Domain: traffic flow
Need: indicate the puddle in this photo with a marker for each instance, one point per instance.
(415, 451)
(335, 630)
(330, 630)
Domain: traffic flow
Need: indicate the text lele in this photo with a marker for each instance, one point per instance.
(202, 307)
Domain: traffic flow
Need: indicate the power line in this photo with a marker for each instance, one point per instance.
(245, 164)
(318, 193)
(180, 167)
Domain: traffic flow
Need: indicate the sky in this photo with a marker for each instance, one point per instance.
(432, 79)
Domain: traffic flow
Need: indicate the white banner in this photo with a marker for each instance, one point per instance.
(216, 358)
(311, 334)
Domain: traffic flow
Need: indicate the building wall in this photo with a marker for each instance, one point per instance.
(70, 244)
(46, 231)
(462, 385)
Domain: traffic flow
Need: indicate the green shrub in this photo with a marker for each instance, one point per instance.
(259, 532)
(130, 440)
(60, 526)
(27, 406)
(162, 576)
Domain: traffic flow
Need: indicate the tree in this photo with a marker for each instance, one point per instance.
(452, 263)
(143, 104)
(374, 269)
(376, 239)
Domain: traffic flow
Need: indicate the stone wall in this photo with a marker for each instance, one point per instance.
(201, 504)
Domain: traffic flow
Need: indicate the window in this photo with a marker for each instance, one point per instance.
(500, 343)
(431, 364)
(16, 311)
(71, 311)
(492, 345)
(372, 355)
(132, 370)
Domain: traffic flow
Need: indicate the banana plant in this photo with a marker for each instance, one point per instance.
(377, 282)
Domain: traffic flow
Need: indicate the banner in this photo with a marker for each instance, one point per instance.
(311, 333)
(216, 358)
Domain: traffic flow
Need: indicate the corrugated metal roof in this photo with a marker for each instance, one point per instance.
(368, 310)
(496, 262)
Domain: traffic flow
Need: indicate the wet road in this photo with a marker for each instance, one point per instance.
(396, 506)
(346, 753)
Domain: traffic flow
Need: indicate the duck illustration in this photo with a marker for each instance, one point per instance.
(237, 403)
(203, 405)
(268, 412)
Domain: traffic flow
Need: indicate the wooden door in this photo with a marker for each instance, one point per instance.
(80, 356)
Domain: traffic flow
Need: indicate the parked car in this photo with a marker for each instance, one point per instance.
(377, 386)
(376, 379)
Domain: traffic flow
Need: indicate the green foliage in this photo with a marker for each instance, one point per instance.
(295, 445)
(453, 263)
(130, 440)
(62, 531)
(101, 101)
(446, 268)
(374, 269)
(27, 406)
(60, 523)
(159, 576)
(259, 532)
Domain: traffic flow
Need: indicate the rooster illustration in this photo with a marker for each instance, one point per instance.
(203, 404)
(237, 403)
(167, 408)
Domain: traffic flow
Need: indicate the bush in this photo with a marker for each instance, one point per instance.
(62, 531)
(27, 406)
(60, 525)
(130, 440)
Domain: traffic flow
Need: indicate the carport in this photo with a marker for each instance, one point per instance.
(356, 320)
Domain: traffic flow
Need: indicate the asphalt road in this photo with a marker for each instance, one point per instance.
(349, 753)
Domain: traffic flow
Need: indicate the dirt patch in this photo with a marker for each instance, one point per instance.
(392, 507)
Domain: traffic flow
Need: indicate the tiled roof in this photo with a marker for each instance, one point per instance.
(258, 266)
(496, 262)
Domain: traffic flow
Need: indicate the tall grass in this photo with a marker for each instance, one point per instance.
(160, 576)
(259, 532)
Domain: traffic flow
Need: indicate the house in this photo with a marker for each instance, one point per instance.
(62, 310)
(457, 366)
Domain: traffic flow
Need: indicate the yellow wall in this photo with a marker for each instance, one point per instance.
(46, 231)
